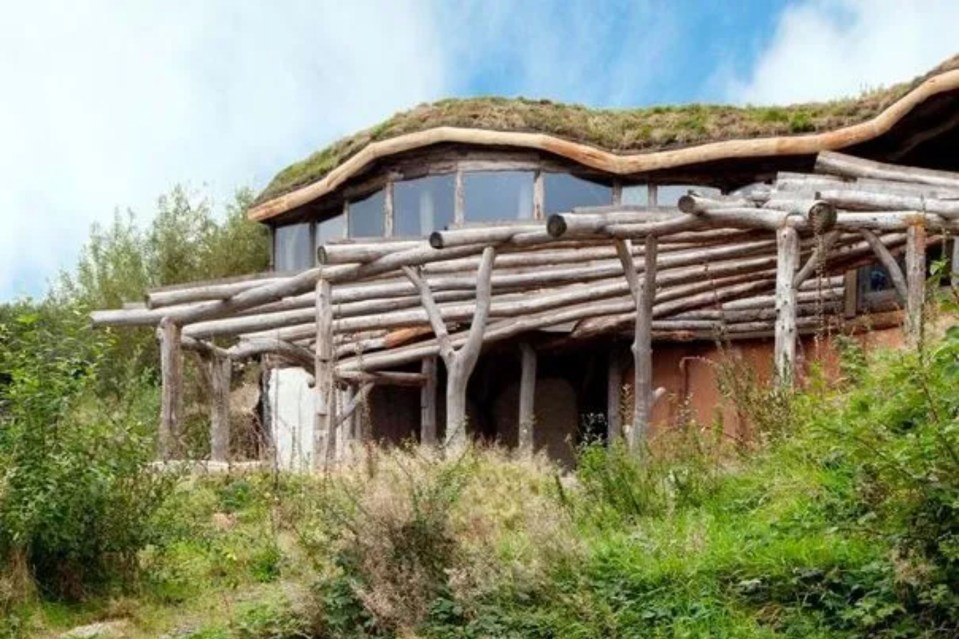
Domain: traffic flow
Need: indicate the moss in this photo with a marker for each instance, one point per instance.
(617, 130)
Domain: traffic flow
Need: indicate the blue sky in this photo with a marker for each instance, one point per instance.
(104, 104)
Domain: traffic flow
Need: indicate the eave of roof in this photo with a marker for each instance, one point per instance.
(619, 142)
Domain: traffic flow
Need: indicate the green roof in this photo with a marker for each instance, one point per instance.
(615, 130)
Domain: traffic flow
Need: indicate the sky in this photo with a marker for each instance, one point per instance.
(105, 105)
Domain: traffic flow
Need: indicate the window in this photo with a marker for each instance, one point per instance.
(367, 216)
(423, 205)
(565, 192)
(292, 247)
(636, 195)
(329, 230)
(498, 195)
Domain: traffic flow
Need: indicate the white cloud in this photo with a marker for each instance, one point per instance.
(828, 48)
(108, 104)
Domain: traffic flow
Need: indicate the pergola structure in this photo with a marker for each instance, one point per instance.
(772, 258)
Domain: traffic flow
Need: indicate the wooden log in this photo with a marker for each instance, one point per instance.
(482, 235)
(578, 222)
(916, 282)
(643, 351)
(954, 264)
(816, 214)
(221, 370)
(888, 261)
(787, 262)
(527, 394)
(848, 166)
(696, 204)
(207, 290)
(870, 201)
(171, 397)
(362, 252)
(255, 347)
(851, 294)
(323, 425)
(459, 364)
(384, 378)
(614, 391)
(428, 402)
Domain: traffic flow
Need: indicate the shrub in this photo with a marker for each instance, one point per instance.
(76, 498)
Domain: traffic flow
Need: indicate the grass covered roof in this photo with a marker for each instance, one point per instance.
(619, 131)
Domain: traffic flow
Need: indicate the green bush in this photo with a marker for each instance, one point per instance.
(76, 496)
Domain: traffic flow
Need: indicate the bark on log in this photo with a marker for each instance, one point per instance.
(428, 402)
(849, 166)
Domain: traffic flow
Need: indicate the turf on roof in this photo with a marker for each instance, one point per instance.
(616, 130)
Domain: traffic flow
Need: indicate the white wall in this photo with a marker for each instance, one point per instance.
(291, 409)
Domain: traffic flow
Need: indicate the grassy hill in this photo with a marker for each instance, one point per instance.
(841, 519)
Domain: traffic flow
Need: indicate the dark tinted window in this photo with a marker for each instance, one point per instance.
(331, 229)
(424, 205)
(566, 192)
(367, 216)
(498, 195)
(292, 246)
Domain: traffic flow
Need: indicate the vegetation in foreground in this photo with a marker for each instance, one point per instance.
(842, 522)
(839, 519)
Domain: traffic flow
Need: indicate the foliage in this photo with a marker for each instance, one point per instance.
(75, 497)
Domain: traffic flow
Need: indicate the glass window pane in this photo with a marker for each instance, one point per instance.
(669, 194)
(636, 195)
(566, 192)
(423, 205)
(367, 216)
(329, 230)
(498, 195)
(293, 250)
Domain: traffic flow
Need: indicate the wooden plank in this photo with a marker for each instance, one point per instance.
(527, 395)
(171, 397)
(221, 370)
(787, 261)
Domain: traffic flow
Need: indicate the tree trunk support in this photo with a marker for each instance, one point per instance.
(324, 422)
(428, 402)
(527, 394)
(643, 292)
(171, 401)
(221, 370)
(787, 261)
(916, 281)
(459, 363)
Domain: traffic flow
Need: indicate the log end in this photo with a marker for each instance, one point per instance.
(687, 204)
(321, 256)
(556, 225)
(436, 240)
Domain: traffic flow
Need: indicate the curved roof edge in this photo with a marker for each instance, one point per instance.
(608, 161)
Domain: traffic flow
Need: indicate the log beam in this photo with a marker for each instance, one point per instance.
(171, 400)
(428, 402)
(916, 282)
(323, 423)
(221, 370)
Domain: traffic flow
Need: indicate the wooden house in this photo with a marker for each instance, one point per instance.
(538, 274)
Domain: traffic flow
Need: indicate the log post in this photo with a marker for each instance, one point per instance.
(527, 394)
(221, 370)
(428, 402)
(916, 281)
(787, 261)
(459, 363)
(171, 401)
(323, 423)
(850, 303)
(954, 263)
(614, 389)
(643, 293)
